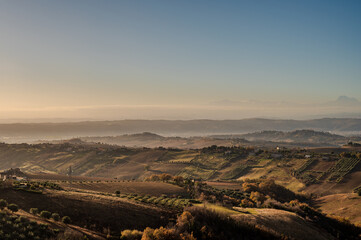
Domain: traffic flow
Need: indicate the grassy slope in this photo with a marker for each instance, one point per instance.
(275, 221)
(286, 223)
(346, 205)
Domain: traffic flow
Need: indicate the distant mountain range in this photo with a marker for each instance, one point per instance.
(345, 101)
(35, 131)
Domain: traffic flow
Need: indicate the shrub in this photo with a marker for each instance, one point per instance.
(117, 192)
(13, 207)
(165, 177)
(45, 214)
(131, 235)
(66, 220)
(257, 197)
(178, 179)
(3, 203)
(55, 216)
(23, 219)
(154, 178)
(359, 192)
(34, 211)
(160, 233)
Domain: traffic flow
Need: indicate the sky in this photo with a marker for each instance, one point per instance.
(111, 60)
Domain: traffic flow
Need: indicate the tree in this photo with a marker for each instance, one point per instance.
(34, 211)
(55, 216)
(117, 192)
(178, 179)
(359, 192)
(165, 177)
(159, 234)
(13, 207)
(66, 220)
(249, 187)
(345, 155)
(257, 197)
(45, 214)
(154, 178)
(3, 203)
(131, 235)
(246, 203)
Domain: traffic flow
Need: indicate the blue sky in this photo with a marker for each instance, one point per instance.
(71, 54)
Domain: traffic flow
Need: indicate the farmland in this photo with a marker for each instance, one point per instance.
(92, 162)
(107, 189)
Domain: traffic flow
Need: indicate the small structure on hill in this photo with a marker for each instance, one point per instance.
(70, 171)
(276, 156)
(13, 174)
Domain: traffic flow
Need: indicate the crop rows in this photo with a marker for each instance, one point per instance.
(304, 167)
(236, 172)
(341, 169)
(177, 203)
(308, 178)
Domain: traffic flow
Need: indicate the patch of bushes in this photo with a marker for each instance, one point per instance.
(201, 223)
(131, 235)
(14, 227)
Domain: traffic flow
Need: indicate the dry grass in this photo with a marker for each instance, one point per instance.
(347, 205)
(144, 188)
(284, 223)
(217, 208)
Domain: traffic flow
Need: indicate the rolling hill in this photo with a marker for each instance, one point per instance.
(28, 132)
(298, 138)
(317, 170)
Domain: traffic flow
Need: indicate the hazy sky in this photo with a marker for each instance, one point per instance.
(173, 59)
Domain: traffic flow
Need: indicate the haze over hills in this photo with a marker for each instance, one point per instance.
(27, 132)
(180, 120)
(300, 138)
(297, 136)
